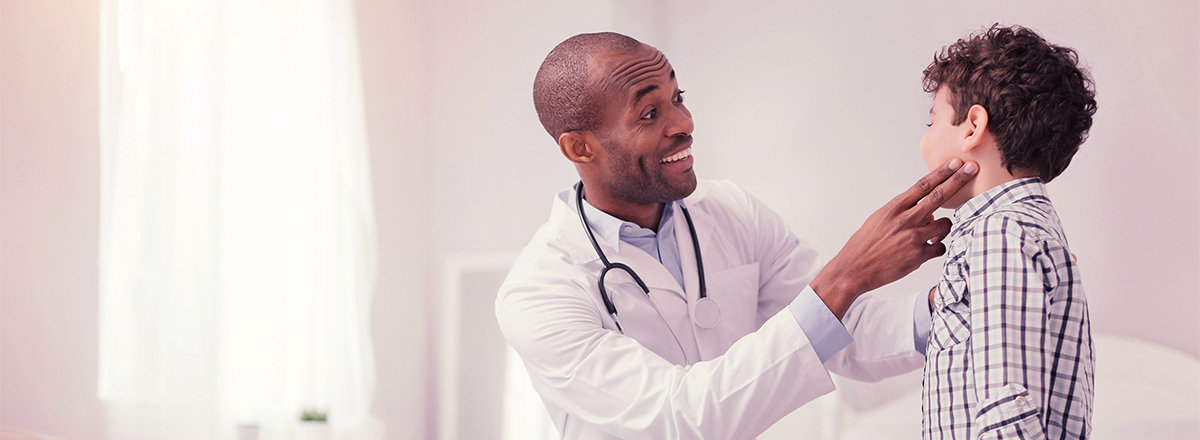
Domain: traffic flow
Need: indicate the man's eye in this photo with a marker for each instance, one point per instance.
(650, 114)
(929, 124)
(679, 96)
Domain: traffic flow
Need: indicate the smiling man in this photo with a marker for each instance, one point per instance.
(654, 305)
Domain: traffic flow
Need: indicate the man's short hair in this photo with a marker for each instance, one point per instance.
(1038, 100)
(563, 94)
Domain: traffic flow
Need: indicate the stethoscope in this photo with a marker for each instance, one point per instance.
(706, 313)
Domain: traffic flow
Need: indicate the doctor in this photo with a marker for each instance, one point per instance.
(654, 306)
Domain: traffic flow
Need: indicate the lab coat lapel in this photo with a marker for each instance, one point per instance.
(652, 272)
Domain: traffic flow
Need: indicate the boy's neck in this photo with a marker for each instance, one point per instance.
(992, 173)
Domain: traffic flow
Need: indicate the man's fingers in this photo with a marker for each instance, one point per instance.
(933, 251)
(945, 190)
(922, 188)
(936, 230)
(934, 233)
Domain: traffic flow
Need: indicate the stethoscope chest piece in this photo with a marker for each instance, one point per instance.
(707, 313)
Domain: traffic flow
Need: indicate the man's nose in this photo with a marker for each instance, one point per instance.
(681, 122)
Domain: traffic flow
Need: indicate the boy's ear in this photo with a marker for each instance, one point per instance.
(976, 127)
(578, 146)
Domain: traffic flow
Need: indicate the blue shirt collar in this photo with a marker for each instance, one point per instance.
(609, 229)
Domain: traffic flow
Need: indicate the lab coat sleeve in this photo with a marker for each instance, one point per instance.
(609, 380)
(786, 263)
(881, 327)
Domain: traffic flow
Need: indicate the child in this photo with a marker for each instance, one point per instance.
(1010, 351)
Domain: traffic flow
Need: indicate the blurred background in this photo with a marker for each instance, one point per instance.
(217, 214)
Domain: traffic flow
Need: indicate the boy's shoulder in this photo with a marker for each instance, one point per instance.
(1033, 219)
(1021, 235)
(1021, 208)
(1026, 222)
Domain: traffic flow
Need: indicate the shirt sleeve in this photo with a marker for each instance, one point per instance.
(922, 323)
(1008, 284)
(827, 335)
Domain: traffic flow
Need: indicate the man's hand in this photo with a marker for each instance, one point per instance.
(894, 241)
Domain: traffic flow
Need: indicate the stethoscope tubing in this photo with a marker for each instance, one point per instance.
(710, 306)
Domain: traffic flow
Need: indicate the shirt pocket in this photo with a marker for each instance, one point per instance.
(735, 290)
(1010, 413)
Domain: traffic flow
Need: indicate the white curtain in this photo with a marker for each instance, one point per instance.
(237, 253)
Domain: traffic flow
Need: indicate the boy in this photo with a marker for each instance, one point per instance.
(1010, 351)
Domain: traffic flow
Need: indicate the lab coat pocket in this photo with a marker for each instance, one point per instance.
(736, 291)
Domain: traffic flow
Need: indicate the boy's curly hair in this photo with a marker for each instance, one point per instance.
(1038, 100)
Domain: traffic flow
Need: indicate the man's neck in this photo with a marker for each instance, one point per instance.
(646, 216)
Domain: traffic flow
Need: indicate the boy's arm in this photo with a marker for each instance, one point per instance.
(1008, 330)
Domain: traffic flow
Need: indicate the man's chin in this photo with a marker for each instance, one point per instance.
(687, 187)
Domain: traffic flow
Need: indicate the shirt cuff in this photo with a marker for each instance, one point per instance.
(922, 322)
(827, 335)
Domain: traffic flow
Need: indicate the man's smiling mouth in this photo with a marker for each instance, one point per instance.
(678, 156)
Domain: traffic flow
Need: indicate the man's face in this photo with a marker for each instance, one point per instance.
(943, 140)
(646, 131)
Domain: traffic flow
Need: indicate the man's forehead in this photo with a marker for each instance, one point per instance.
(629, 69)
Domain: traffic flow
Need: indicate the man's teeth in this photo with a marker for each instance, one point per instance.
(678, 156)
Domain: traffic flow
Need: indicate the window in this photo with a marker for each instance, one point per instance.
(237, 253)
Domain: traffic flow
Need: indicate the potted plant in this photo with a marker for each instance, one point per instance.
(313, 425)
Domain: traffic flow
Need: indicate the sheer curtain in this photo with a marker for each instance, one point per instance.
(237, 253)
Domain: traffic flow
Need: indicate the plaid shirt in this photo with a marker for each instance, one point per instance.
(1010, 351)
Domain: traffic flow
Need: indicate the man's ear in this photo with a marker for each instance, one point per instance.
(578, 146)
(977, 128)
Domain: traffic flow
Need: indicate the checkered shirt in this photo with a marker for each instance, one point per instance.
(1010, 350)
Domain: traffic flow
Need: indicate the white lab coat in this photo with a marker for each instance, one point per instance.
(756, 365)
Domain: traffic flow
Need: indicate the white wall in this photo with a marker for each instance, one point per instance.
(49, 206)
(393, 43)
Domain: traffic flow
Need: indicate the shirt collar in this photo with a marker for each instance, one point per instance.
(608, 228)
(1005, 194)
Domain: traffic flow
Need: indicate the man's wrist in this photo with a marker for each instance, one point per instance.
(835, 290)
